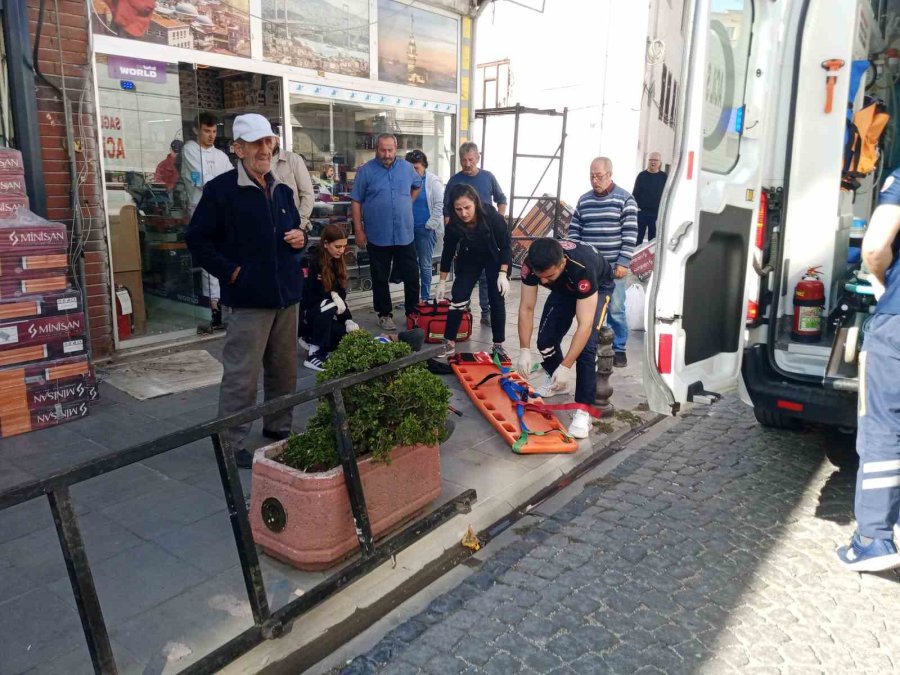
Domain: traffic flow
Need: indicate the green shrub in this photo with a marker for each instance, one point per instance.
(402, 408)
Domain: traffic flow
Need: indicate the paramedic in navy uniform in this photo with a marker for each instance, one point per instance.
(581, 284)
(877, 508)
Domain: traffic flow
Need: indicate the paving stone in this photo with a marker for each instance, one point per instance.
(706, 552)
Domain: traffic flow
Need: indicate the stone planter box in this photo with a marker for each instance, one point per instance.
(304, 519)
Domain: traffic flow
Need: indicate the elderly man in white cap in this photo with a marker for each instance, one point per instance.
(246, 233)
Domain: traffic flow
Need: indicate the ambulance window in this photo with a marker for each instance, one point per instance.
(728, 53)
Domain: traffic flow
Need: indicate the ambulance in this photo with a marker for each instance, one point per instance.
(785, 136)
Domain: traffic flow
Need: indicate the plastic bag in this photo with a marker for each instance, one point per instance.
(635, 299)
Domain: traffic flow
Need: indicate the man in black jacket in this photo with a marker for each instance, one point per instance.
(648, 189)
(246, 233)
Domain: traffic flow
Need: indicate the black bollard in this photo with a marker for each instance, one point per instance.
(604, 370)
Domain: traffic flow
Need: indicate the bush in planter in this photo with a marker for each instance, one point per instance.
(402, 408)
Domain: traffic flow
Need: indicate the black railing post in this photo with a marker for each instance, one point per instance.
(240, 526)
(82, 580)
(351, 474)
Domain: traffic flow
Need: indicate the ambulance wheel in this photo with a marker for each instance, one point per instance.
(775, 420)
(851, 346)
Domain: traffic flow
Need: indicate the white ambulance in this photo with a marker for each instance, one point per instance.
(755, 200)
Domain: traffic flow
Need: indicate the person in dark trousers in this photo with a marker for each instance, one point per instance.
(383, 194)
(488, 188)
(478, 238)
(581, 286)
(648, 189)
(877, 508)
(246, 233)
(324, 315)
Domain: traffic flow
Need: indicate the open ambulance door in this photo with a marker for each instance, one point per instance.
(697, 300)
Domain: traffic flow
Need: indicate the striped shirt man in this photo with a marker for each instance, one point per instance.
(607, 220)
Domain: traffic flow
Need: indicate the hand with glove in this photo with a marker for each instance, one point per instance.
(503, 284)
(350, 325)
(523, 365)
(563, 379)
(441, 291)
(338, 302)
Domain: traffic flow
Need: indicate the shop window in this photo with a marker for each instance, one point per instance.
(725, 80)
(163, 136)
(337, 138)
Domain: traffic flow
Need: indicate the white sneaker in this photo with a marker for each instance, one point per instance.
(544, 389)
(303, 344)
(581, 425)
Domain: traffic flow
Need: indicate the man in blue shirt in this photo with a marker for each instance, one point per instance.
(877, 507)
(383, 194)
(488, 189)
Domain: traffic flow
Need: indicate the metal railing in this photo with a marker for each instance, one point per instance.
(267, 624)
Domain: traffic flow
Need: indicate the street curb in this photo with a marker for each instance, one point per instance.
(449, 558)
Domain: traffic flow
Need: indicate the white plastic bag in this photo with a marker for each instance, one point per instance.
(635, 299)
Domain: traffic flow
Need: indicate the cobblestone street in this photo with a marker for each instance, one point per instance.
(710, 550)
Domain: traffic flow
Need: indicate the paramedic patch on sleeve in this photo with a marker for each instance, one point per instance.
(526, 270)
(584, 286)
(306, 273)
(567, 245)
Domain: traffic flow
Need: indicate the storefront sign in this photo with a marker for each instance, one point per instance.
(365, 97)
(125, 68)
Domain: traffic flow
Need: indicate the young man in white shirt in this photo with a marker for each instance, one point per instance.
(201, 161)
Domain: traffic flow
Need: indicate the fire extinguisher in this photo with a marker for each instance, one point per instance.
(124, 312)
(809, 304)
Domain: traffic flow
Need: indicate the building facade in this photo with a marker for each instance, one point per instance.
(330, 76)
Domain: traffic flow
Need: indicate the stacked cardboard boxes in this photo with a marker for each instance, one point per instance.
(45, 375)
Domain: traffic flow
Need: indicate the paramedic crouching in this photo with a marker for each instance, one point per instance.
(877, 508)
(581, 285)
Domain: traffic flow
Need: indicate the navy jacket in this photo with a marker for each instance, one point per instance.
(235, 225)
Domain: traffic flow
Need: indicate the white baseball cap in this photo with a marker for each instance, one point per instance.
(251, 127)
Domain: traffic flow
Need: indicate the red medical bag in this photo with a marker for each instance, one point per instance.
(431, 317)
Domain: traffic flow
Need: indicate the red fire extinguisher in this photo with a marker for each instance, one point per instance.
(809, 303)
(124, 312)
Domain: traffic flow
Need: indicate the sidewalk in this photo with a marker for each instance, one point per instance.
(160, 544)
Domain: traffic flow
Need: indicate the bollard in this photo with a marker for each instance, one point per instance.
(604, 370)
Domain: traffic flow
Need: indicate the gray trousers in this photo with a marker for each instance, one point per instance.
(257, 338)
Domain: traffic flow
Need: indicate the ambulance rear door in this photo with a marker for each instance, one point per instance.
(697, 300)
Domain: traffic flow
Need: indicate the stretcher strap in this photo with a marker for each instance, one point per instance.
(548, 407)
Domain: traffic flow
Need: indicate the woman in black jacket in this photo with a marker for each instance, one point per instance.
(324, 315)
(479, 239)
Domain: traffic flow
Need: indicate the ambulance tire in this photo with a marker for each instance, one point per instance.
(775, 420)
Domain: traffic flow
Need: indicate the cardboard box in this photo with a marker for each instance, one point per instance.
(33, 306)
(23, 420)
(9, 206)
(12, 186)
(134, 282)
(55, 348)
(11, 162)
(125, 240)
(45, 239)
(34, 331)
(17, 393)
(11, 289)
(20, 266)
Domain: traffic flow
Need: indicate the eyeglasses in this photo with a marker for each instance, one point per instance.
(600, 176)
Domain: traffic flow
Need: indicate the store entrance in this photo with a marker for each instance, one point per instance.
(164, 135)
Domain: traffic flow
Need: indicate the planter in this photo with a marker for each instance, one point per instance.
(304, 519)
